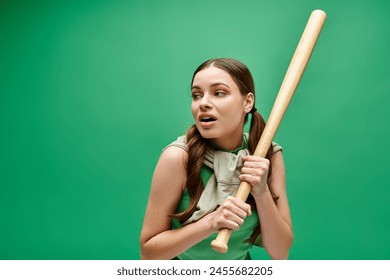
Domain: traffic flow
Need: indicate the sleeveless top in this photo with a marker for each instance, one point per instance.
(238, 248)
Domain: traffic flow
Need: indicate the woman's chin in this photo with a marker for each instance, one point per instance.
(208, 133)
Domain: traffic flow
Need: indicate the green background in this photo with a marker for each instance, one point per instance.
(91, 91)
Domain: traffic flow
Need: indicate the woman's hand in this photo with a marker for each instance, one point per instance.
(230, 214)
(255, 172)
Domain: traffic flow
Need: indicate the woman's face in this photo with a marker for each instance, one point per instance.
(219, 108)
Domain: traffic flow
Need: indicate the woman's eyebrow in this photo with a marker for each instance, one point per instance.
(219, 84)
(212, 85)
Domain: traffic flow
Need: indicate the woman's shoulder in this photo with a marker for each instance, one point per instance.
(276, 147)
(171, 168)
(180, 142)
(176, 152)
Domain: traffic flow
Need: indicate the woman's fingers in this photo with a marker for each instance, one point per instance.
(255, 162)
(232, 213)
(255, 172)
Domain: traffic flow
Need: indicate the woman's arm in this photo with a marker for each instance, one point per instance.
(158, 240)
(275, 220)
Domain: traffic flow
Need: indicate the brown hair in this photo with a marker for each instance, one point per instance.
(197, 145)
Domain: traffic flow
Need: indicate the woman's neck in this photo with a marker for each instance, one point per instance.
(228, 143)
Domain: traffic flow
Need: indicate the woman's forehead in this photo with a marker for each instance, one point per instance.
(212, 75)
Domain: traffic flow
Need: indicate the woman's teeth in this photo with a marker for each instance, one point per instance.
(207, 119)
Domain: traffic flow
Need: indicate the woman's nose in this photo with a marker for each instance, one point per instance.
(205, 103)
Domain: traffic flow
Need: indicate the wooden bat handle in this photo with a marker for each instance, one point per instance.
(290, 82)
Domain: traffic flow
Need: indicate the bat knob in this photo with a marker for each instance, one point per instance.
(219, 246)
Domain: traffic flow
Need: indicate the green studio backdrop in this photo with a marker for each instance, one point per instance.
(91, 92)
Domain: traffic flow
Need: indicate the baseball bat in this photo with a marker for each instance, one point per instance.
(290, 82)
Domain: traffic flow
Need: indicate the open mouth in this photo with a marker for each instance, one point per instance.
(207, 119)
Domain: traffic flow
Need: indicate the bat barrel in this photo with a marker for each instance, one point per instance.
(292, 78)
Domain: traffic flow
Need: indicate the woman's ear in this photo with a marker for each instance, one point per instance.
(249, 102)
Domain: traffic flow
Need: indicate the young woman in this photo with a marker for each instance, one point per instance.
(190, 197)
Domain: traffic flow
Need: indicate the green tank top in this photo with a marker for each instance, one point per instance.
(238, 249)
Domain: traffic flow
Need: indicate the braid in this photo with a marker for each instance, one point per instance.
(256, 129)
(197, 147)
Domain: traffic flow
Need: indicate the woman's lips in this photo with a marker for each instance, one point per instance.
(208, 123)
(207, 120)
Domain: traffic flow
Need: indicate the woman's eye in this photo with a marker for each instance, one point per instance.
(196, 95)
(219, 93)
